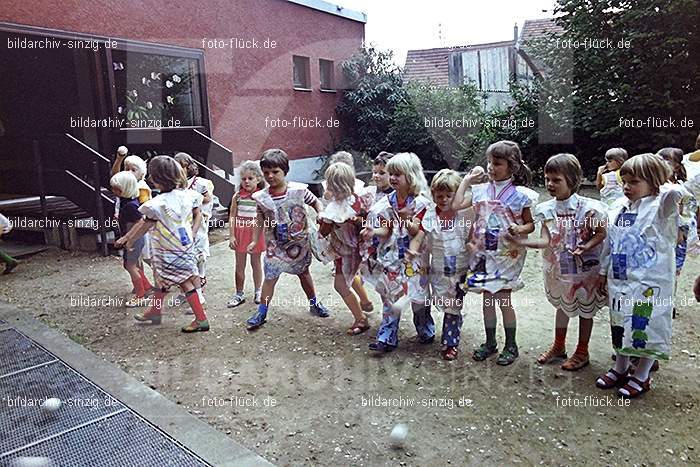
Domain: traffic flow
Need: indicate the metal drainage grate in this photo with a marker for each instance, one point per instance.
(90, 428)
(22, 421)
(19, 353)
(120, 440)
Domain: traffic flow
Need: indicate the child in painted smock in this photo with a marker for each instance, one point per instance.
(398, 280)
(445, 232)
(638, 268)
(172, 218)
(572, 232)
(282, 217)
(338, 239)
(501, 211)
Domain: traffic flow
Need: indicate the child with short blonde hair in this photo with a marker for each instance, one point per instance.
(338, 237)
(502, 214)
(242, 228)
(572, 232)
(125, 187)
(446, 232)
(638, 268)
(395, 219)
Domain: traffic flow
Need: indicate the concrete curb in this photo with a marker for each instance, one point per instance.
(208, 443)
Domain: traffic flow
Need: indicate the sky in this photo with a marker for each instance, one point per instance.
(401, 25)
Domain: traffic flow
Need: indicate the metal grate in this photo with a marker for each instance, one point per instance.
(19, 353)
(23, 421)
(90, 428)
(121, 440)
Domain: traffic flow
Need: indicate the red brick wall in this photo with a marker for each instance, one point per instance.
(244, 85)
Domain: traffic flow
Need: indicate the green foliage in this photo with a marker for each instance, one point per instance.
(381, 112)
(375, 88)
(647, 72)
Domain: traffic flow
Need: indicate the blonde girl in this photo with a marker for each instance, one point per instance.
(138, 167)
(445, 232)
(338, 237)
(395, 220)
(173, 218)
(638, 267)
(608, 178)
(125, 187)
(502, 213)
(242, 229)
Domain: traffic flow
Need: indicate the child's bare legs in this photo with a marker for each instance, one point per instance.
(558, 349)
(489, 310)
(315, 306)
(255, 263)
(239, 280)
(240, 271)
(510, 351)
(359, 289)
(360, 325)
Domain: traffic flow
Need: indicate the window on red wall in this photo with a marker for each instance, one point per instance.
(302, 72)
(154, 87)
(326, 73)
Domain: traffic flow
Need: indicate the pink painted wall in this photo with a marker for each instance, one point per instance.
(244, 85)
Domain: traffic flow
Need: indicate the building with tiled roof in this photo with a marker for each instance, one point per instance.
(490, 67)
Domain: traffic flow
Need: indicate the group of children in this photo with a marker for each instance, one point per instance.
(429, 245)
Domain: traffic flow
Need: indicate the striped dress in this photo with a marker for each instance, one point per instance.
(172, 245)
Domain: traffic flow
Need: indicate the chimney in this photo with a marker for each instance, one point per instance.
(515, 32)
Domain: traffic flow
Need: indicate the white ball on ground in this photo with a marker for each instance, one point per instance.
(398, 435)
(32, 462)
(122, 150)
(51, 405)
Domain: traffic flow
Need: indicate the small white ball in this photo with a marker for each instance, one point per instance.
(398, 435)
(51, 405)
(122, 150)
(478, 169)
(32, 462)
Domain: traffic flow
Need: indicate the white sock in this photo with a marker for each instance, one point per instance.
(622, 363)
(641, 373)
(643, 368)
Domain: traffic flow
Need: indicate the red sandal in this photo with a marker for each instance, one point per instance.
(609, 383)
(633, 392)
(450, 353)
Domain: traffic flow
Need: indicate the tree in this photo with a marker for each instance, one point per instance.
(643, 67)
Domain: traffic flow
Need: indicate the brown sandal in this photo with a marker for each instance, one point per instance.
(450, 353)
(357, 328)
(551, 354)
(576, 362)
(609, 383)
(633, 392)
